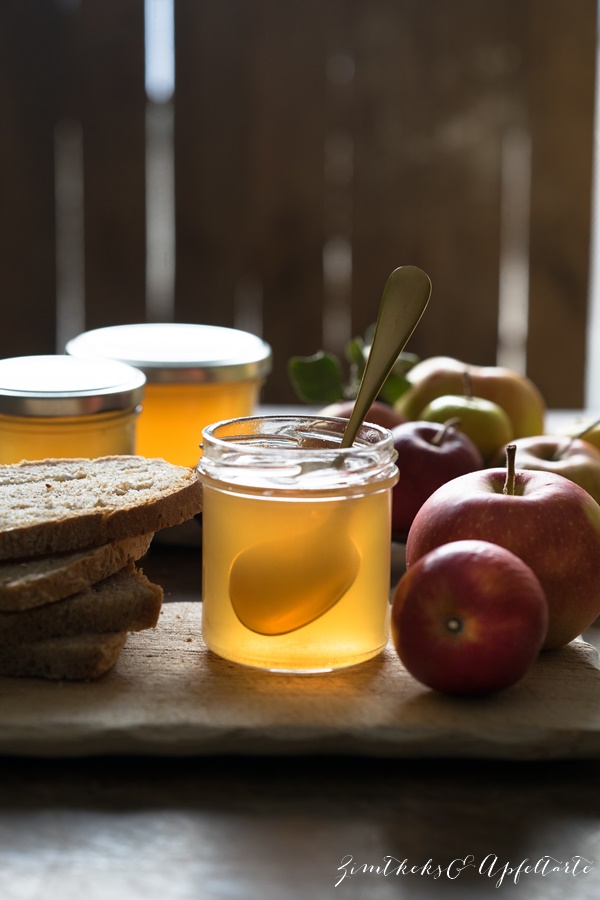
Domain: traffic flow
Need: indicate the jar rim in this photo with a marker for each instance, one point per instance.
(295, 452)
(281, 425)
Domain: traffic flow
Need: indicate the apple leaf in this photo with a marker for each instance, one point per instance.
(397, 383)
(356, 353)
(317, 378)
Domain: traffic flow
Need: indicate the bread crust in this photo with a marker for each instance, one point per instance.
(58, 505)
(81, 658)
(126, 601)
(25, 584)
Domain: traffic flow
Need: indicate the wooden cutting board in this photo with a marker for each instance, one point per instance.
(168, 695)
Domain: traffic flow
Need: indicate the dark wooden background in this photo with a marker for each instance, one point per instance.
(376, 128)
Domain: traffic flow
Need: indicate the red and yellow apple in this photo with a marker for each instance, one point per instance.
(552, 524)
(429, 455)
(469, 618)
(573, 458)
(515, 393)
(379, 413)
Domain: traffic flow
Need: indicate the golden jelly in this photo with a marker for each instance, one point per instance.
(196, 375)
(57, 406)
(296, 542)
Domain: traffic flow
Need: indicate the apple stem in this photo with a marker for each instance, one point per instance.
(438, 438)
(509, 484)
(587, 428)
(560, 451)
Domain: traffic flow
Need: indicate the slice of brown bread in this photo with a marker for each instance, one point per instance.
(58, 505)
(33, 582)
(79, 658)
(127, 601)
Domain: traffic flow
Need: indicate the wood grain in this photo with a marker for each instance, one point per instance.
(562, 124)
(213, 112)
(430, 114)
(111, 105)
(301, 127)
(28, 31)
(168, 695)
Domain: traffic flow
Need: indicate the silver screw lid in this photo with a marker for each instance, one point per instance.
(179, 353)
(65, 386)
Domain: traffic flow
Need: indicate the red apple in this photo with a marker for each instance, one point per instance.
(547, 520)
(379, 413)
(429, 455)
(469, 618)
(574, 458)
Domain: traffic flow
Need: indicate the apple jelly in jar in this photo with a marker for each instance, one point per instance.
(195, 374)
(57, 406)
(296, 542)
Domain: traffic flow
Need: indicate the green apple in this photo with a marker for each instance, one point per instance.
(516, 394)
(483, 421)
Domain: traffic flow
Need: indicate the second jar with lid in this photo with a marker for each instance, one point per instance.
(196, 374)
(57, 406)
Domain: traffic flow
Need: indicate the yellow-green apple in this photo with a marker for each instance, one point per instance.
(470, 617)
(379, 413)
(482, 420)
(547, 520)
(429, 455)
(518, 396)
(590, 431)
(576, 459)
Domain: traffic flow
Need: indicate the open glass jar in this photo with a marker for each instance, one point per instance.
(196, 374)
(296, 542)
(57, 406)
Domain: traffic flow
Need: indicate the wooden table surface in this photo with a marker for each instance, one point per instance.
(291, 827)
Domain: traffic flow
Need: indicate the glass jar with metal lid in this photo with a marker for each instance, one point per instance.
(58, 406)
(196, 375)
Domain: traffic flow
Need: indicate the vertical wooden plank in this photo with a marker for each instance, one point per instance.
(561, 53)
(28, 33)
(433, 95)
(110, 101)
(249, 163)
(213, 113)
(339, 178)
(436, 86)
(285, 223)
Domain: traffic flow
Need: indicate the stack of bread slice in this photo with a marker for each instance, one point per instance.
(71, 531)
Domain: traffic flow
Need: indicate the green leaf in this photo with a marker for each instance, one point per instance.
(317, 378)
(405, 363)
(370, 334)
(397, 383)
(393, 388)
(356, 354)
